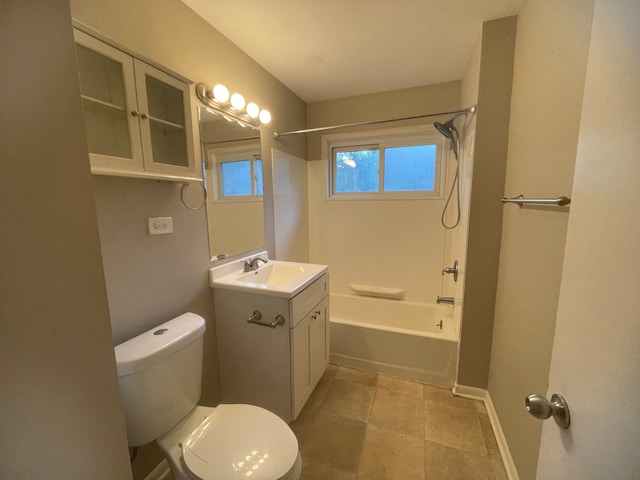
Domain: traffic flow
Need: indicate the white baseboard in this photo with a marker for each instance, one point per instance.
(507, 459)
(160, 472)
(482, 394)
(469, 392)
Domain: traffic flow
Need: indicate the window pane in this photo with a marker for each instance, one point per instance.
(258, 173)
(236, 178)
(409, 168)
(357, 171)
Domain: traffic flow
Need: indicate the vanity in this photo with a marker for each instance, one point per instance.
(272, 328)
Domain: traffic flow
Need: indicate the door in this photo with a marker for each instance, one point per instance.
(596, 353)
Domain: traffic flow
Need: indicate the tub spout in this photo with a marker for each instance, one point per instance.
(448, 300)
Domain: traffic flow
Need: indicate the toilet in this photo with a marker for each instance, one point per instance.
(160, 373)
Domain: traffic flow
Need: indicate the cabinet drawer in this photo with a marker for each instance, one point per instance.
(302, 303)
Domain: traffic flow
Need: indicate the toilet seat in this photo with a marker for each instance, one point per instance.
(234, 440)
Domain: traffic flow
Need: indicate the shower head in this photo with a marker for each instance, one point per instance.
(445, 128)
(448, 128)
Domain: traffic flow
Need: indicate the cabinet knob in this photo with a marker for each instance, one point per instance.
(134, 113)
(144, 116)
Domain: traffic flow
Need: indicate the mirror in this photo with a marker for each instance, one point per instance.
(232, 168)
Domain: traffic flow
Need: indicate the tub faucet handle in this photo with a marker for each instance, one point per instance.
(453, 270)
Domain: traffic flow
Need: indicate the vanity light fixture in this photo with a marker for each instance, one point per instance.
(220, 93)
(232, 107)
(253, 110)
(265, 116)
(237, 101)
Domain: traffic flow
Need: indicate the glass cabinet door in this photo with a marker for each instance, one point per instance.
(166, 138)
(109, 104)
(138, 119)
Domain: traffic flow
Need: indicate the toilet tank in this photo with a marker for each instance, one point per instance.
(160, 376)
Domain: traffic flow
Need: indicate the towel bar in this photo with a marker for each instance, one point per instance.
(520, 200)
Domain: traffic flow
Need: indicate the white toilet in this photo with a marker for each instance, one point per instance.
(160, 372)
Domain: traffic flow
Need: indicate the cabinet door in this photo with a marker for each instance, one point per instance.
(167, 138)
(319, 341)
(109, 103)
(300, 365)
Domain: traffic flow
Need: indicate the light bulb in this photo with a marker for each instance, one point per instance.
(253, 110)
(221, 93)
(237, 101)
(265, 116)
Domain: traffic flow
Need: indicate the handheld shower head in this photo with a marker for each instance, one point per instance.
(445, 128)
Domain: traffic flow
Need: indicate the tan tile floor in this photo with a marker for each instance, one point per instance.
(363, 426)
(359, 425)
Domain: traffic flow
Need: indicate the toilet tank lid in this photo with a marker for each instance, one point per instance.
(155, 345)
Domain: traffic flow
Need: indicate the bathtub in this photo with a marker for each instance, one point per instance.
(395, 337)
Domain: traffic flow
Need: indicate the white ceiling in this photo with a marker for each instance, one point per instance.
(324, 49)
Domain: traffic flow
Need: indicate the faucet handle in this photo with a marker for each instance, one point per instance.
(453, 270)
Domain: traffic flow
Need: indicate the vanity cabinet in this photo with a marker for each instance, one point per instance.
(309, 353)
(138, 119)
(275, 368)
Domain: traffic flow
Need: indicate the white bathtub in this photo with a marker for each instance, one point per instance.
(394, 337)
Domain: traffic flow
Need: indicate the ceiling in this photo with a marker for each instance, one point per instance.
(325, 49)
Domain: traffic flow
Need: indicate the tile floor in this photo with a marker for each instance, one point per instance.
(359, 425)
(362, 426)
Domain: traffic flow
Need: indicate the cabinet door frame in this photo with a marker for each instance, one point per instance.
(107, 163)
(301, 382)
(141, 70)
(319, 341)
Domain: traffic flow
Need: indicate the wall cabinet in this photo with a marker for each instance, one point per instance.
(138, 119)
(275, 368)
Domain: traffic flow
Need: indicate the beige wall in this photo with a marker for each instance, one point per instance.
(170, 34)
(398, 243)
(59, 401)
(487, 186)
(151, 279)
(550, 63)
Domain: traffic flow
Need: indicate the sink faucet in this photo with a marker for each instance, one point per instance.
(448, 300)
(251, 265)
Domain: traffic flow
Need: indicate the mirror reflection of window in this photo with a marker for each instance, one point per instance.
(240, 178)
(232, 167)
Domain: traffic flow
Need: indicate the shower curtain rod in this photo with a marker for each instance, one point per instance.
(243, 139)
(372, 122)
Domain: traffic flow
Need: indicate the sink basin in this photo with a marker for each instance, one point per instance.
(275, 278)
(275, 274)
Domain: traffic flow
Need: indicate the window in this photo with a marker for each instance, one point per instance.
(241, 178)
(401, 163)
(236, 173)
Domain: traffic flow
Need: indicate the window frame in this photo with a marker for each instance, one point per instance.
(381, 139)
(217, 156)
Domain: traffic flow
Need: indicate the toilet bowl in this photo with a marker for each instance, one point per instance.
(232, 442)
(159, 374)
